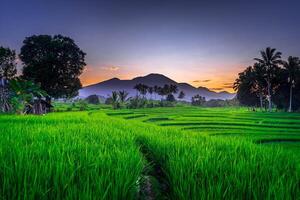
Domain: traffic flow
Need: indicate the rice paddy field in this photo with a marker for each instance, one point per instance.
(155, 153)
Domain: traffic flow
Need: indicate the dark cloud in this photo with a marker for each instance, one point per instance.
(202, 81)
(220, 88)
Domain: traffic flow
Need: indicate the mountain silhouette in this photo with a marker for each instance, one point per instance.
(106, 87)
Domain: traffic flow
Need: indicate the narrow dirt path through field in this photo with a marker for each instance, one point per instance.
(154, 183)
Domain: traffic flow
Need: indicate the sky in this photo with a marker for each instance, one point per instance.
(203, 43)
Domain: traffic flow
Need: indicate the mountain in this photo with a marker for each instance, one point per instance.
(106, 87)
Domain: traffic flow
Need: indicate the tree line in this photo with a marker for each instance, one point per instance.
(270, 82)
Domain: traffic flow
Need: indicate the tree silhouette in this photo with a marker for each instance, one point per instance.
(181, 95)
(141, 88)
(244, 85)
(53, 62)
(115, 100)
(292, 67)
(150, 91)
(198, 100)
(270, 59)
(123, 96)
(7, 63)
(259, 82)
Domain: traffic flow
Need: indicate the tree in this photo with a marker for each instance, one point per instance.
(150, 91)
(270, 59)
(198, 100)
(4, 96)
(123, 96)
(115, 100)
(92, 99)
(141, 88)
(181, 95)
(173, 89)
(156, 90)
(53, 62)
(7, 63)
(292, 67)
(259, 82)
(244, 85)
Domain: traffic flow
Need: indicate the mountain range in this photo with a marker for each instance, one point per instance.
(105, 88)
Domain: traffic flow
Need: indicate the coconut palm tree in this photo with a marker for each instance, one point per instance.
(259, 82)
(115, 99)
(123, 96)
(292, 66)
(270, 59)
(141, 88)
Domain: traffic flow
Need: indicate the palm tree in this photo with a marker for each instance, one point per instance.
(173, 88)
(259, 82)
(115, 99)
(270, 59)
(141, 88)
(292, 66)
(123, 96)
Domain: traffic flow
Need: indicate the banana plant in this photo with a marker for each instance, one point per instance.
(23, 93)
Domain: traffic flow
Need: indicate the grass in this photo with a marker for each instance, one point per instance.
(110, 154)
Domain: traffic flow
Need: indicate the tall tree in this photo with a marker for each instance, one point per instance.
(292, 67)
(123, 96)
(244, 85)
(115, 100)
(150, 91)
(141, 88)
(54, 62)
(270, 59)
(7, 63)
(259, 83)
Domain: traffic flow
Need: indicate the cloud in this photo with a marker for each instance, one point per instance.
(218, 88)
(111, 68)
(202, 81)
(228, 85)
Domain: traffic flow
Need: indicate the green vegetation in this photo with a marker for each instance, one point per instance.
(174, 153)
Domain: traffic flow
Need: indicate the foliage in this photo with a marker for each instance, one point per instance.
(271, 80)
(141, 88)
(137, 102)
(181, 95)
(198, 100)
(23, 93)
(123, 96)
(7, 63)
(115, 100)
(171, 98)
(221, 103)
(82, 104)
(92, 99)
(53, 62)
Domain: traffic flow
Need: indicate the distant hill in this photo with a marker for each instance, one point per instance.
(106, 87)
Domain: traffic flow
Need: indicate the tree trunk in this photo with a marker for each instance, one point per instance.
(261, 101)
(291, 96)
(269, 96)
